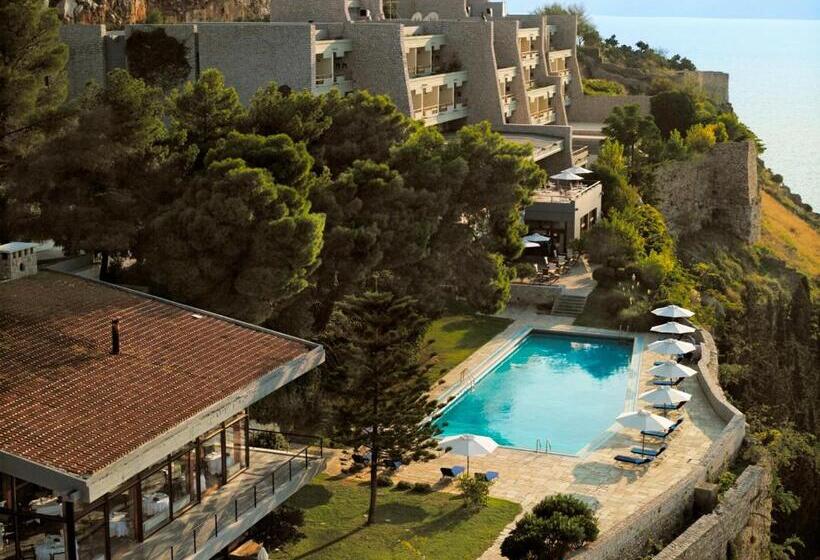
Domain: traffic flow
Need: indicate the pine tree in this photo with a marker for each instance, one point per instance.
(380, 380)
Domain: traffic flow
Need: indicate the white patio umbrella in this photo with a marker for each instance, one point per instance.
(665, 395)
(468, 445)
(673, 312)
(535, 238)
(530, 245)
(673, 327)
(644, 420)
(577, 170)
(262, 554)
(671, 346)
(672, 370)
(567, 176)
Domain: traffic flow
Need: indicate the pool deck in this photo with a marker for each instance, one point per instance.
(614, 490)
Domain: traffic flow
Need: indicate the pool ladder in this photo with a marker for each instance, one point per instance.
(546, 448)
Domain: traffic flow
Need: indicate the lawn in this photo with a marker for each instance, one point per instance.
(409, 526)
(454, 337)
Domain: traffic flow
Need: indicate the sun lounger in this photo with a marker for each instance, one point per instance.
(451, 472)
(663, 435)
(668, 382)
(648, 452)
(634, 460)
(489, 476)
(670, 406)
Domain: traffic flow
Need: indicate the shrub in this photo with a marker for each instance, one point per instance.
(524, 270)
(279, 527)
(422, 488)
(673, 110)
(474, 491)
(725, 481)
(636, 316)
(403, 485)
(616, 238)
(557, 525)
(384, 481)
(614, 302)
(654, 269)
(700, 138)
(599, 86)
(606, 276)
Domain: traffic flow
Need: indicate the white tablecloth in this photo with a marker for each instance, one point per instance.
(46, 505)
(153, 504)
(118, 524)
(214, 462)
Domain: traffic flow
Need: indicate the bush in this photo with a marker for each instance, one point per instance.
(524, 270)
(279, 527)
(157, 58)
(384, 481)
(557, 525)
(636, 317)
(673, 110)
(700, 138)
(614, 302)
(725, 481)
(654, 269)
(616, 238)
(606, 276)
(403, 485)
(422, 488)
(474, 491)
(599, 86)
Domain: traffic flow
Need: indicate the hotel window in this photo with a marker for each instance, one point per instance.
(236, 447)
(183, 481)
(90, 532)
(156, 500)
(211, 461)
(122, 520)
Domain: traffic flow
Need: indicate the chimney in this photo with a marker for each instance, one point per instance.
(115, 336)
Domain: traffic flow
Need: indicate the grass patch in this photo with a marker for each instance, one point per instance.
(790, 238)
(454, 337)
(409, 526)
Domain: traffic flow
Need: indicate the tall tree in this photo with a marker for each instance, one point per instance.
(635, 131)
(299, 114)
(380, 380)
(236, 242)
(90, 188)
(32, 83)
(206, 111)
(673, 110)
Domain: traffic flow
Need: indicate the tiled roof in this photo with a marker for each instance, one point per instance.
(67, 403)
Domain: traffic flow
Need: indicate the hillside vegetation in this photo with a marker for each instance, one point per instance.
(790, 238)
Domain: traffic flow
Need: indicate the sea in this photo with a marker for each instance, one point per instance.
(774, 83)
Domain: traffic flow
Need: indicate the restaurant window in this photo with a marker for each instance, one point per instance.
(156, 500)
(211, 461)
(122, 520)
(90, 532)
(183, 481)
(236, 447)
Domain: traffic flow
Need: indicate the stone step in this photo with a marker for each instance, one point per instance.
(569, 305)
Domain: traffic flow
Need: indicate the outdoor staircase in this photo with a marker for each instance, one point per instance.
(569, 305)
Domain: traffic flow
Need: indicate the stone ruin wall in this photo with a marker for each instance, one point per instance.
(718, 189)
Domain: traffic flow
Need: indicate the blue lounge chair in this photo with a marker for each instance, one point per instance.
(489, 476)
(648, 452)
(663, 435)
(670, 406)
(451, 472)
(634, 460)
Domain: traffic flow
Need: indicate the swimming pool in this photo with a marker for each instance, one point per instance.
(565, 389)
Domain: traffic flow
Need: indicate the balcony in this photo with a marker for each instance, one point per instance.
(449, 79)
(543, 117)
(331, 66)
(272, 477)
(580, 156)
(560, 54)
(543, 91)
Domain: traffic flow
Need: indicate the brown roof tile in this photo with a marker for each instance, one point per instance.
(66, 402)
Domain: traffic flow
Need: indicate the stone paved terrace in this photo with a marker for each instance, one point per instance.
(614, 490)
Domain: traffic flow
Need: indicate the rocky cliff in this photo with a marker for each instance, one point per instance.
(116, 13)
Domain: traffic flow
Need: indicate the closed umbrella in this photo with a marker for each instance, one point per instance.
(468, 445)
(673, 312)
(644, 420)
(672, 370)
(577, 170)
(536, 238)
(672, 346)
(673, 327)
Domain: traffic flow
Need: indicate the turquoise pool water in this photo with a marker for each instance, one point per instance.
(565, 389)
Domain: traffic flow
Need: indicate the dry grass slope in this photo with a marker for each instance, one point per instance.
(790, 238)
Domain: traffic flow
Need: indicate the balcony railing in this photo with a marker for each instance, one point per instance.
(543, 117)
(323, 79)
(311, 448)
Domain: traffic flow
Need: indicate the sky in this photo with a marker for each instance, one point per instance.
(770, 9)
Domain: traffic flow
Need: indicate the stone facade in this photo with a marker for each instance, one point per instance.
(718, 189)
(86, 56)
(17, 260)
(596, 108)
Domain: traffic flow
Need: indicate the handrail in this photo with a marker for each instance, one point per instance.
(248, 500)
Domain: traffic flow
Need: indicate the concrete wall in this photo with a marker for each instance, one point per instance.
(505, 39)
(596, 108)
(86, 56)
(378, 61)
(533, 294)
(472, 41)
(718, 189)
(713, 535)
(309, 10)
(445, 9)
(251, 55)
